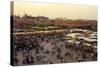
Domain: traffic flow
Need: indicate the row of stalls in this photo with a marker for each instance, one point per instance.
(88, 38)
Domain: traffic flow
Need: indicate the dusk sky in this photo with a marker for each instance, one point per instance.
(55, 10)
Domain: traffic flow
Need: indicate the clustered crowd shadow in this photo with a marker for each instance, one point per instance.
(43, 48)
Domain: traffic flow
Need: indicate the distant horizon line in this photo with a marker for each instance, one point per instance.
(21, 16)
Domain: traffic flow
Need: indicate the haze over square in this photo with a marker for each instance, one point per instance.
(53, 10)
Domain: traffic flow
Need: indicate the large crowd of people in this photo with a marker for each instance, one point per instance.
(43, 48)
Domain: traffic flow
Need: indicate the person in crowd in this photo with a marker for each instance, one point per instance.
(16, 60)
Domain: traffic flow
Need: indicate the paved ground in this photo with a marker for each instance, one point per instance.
(51, 57)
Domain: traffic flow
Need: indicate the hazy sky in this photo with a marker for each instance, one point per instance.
(53, 10)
